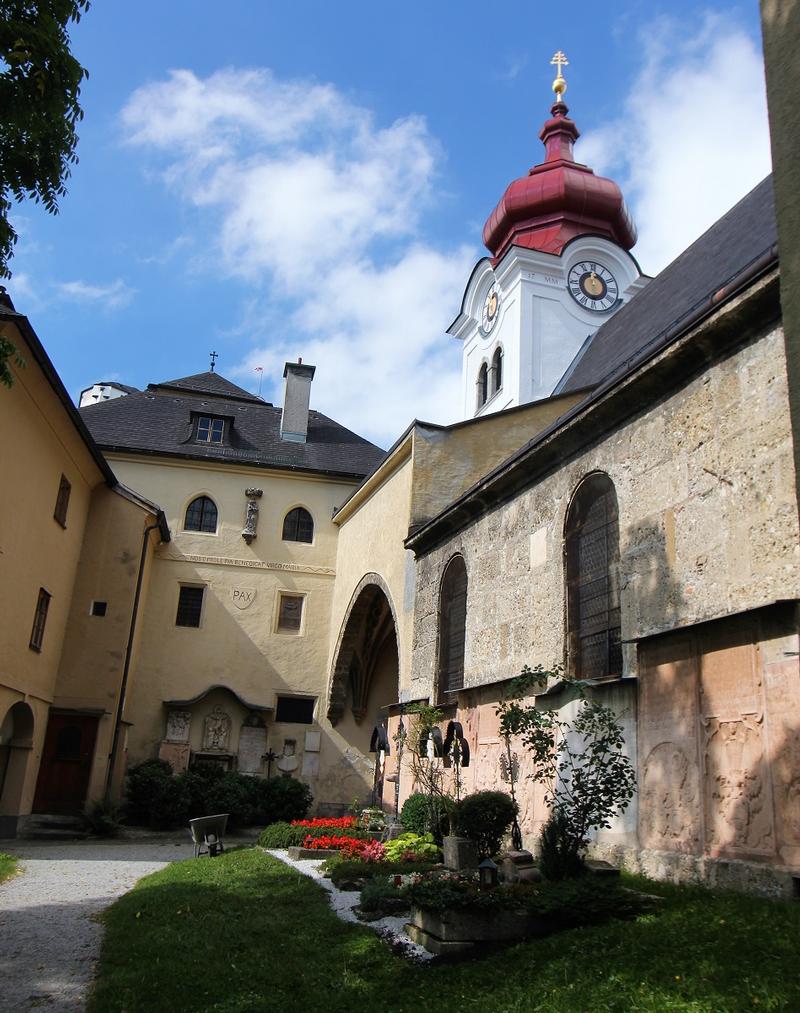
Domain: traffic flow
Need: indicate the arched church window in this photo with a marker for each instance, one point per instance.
(201, 515)
(452, 626)
(298, 526)
(497, 370)
(483, 385)
(594, 648)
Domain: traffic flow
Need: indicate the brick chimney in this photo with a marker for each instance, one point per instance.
(297, 392)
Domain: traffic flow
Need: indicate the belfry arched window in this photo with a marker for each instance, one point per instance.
(201, 515)
(452, 626)
(298, 526)
(497, 370)
(483, 385)
(592, 574)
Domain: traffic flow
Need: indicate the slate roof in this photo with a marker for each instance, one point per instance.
(159, 421)
(208, 383)
(738, 239)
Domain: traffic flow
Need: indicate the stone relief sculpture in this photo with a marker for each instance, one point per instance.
(669, 799)
(216, 731)
(251, 517)
(738, 797)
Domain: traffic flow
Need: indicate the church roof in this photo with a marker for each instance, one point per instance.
(162, 420)
(701, 272)
(559, 200)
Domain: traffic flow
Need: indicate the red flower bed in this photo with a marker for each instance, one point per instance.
(349, 847)
(342, 823)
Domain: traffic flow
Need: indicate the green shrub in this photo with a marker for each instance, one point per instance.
(280, 799)
(156, 797)
(103, 818)
(375, 894)
(281, 835)
(427, 814)
(558, 858)
(411, 848)
(484, 817)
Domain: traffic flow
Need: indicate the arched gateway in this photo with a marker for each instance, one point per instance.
(365, 662)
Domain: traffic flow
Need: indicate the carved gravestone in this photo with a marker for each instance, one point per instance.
(175, 746)
(460, 854)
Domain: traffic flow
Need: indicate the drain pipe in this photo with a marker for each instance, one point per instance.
(126, 667)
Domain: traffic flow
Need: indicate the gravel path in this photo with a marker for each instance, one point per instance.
(49, 934)
(389, 928)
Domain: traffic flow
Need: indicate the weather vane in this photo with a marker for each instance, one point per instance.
(214, 358)
(559, 85)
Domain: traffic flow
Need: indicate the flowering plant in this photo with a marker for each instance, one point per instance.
(373, 852)
(349, 847)
(340, 823)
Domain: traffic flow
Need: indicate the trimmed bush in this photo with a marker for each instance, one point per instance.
(427, 814)
(163, 800)
(558, 858)
(156, 797)
(484, 817)
(340, 870)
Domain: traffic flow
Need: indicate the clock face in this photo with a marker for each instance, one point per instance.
(592, 286)
(491, 309)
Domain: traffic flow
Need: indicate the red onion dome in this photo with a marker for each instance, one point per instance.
(558, 200)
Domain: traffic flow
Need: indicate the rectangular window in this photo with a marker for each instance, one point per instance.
(295, 710)
(190, 605)
(39, 620)
(62, 501)
(210, 430)
(290, 613)
(99, 608)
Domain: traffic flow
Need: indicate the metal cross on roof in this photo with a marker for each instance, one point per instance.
(214, 358)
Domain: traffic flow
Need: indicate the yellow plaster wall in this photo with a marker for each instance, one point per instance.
(237, 648)
(447, 462)
(40, 444)
(93, 657)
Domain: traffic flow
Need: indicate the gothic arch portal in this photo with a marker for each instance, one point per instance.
(368, 632)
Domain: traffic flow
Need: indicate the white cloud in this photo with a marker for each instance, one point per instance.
(305, 193)
(112, 296)
(693, 138)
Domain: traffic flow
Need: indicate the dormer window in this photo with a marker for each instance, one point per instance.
(209, 429)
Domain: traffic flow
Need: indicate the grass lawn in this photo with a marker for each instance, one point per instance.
(8, 866)
(246, 933)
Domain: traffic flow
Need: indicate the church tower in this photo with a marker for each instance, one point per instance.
(559, 267)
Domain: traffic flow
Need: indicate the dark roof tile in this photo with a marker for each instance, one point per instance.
(159, 421)
(719, 255)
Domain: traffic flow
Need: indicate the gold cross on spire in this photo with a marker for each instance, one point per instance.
(559, 85)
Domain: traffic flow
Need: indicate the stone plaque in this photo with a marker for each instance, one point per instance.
(310, 765)
(243, 597)
(252, 746)
(178, 726)
(312, 742)
(216, 731)
(176, 754)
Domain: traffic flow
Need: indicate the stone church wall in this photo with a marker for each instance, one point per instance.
(708, 528)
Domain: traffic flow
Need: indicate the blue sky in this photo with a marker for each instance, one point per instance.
(273, 180)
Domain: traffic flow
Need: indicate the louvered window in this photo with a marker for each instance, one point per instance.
(592, 565)
(452, 627)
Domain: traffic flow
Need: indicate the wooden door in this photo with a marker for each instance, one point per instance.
(66, 763)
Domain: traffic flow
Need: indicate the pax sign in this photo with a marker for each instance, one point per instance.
(243, 597)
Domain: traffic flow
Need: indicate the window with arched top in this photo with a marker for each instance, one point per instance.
(298, 526)
(497, 370)
(594, 649)
(452, 626)
(201, 515)
(483, 385)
